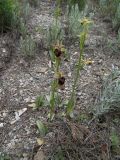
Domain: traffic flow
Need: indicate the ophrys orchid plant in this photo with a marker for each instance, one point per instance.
(83, 35)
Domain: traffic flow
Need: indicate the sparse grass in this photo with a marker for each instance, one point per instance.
(112, 9)
(27, 43)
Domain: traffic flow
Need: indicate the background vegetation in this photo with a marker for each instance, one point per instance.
(111, 9)
(8, 14)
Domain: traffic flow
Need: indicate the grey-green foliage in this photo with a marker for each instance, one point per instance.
(27, 46)
(116, 20)
(110, 95)
(74, 25)
(54, 33)
(115, 45)
(22, 28)
(79, 3)
(112, 9)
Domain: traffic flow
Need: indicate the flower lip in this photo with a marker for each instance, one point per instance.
(57, 52)
(61, 80)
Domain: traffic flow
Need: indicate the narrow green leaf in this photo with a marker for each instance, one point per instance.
(41, 127)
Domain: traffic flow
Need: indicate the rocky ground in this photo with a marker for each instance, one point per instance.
(21, 81)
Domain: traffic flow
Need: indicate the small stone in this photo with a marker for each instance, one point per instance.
(4, 114)
(11, 145)
(1, 125)
(50, 134)
(27, 99)
(25, 155)
(69, 74)
(41, 70)
(79, 93)
(31, 78)
(21, 92)
(39, 156)
(3, 50)
(46, 53)
(100, 61)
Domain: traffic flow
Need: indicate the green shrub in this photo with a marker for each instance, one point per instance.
(8, 14)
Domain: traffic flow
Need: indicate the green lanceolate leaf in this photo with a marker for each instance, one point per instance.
(41, 128)
(70, 107)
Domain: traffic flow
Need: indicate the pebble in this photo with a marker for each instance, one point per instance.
(4, 114)
(27, 99)
(11, 145)
(1, 125)
(3, 50)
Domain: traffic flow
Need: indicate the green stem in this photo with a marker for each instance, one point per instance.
(52, 97)
(57, 64)
(54, 87)
(76, 78)
(71, 102)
